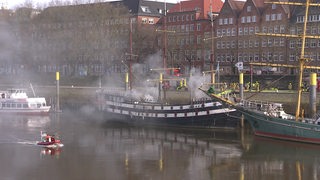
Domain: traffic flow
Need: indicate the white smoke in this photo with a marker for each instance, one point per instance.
(195, 81)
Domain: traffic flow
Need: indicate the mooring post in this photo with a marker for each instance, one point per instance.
(313, 94)
(241, 85)
(58, 92)
(127, 82)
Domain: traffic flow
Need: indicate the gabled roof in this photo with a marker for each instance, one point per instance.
(189, 5)
(236, 6)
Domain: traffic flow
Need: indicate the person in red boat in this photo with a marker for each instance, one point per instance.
(49, 141)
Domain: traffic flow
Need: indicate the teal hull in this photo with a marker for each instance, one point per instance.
(279, 128)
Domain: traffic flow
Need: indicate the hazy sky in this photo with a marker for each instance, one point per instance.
(12, 3)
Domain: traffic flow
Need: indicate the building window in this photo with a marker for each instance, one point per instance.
(313, 43)
(281, 41)
(256, 43)
(228, 45)
(273, 17)
(240, 59)
(264, 43)
(240, 44)
(182, 28)
(254, 18)
(220, 21)
(230, 20)
(270, 55)
(251, 30)
(245, 44)
(273, 6)
(250, 43)
(279, 16)
(300, 19)
(256, 29)
(218, 32)
(267, 17)
(151, 21)
(191, 40)
(191, 27)
(313, 30)
(276, 29)
(192, 17)
(199, 39)
(276, 42)
(248, 19)
(233, 33)
(248, 8)
(292, 57)
(144, 20)
(240, 31)
(243, 19)
(281, 57)
(264, 29)
(145, 9)
(233, 44)
(282, 28)
(225, 21)
(256, 57)
(198, 27)
(270, 41)
(245, 30)
(223, 32)
(228, 32)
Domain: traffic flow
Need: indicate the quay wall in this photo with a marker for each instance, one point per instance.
(75, 97)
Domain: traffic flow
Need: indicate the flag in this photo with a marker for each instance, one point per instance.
(218, 67)
(239, 65)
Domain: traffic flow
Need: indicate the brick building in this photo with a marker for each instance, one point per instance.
(191, 23)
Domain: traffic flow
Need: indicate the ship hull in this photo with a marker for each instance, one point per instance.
(222, 120)
(28, 111)
(278, 128)
(203, 115)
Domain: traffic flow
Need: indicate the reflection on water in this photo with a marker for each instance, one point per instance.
(95, 150)
(45, 151)
(274, 159)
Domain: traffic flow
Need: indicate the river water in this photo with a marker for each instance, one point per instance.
(94, 149)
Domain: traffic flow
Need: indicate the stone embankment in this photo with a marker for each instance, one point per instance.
(75, 97)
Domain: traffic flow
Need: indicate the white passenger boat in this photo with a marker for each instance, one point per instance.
(16, 101)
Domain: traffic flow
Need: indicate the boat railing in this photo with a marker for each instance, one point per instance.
(316, 117)
(259, 105)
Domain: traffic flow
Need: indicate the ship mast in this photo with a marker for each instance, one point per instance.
(303, 36)
(302, 60)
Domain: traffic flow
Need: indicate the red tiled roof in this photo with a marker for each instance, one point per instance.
(204, 6)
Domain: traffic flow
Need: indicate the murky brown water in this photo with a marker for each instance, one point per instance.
(97, 150)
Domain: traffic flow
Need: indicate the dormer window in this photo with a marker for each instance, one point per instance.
(145, 9)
